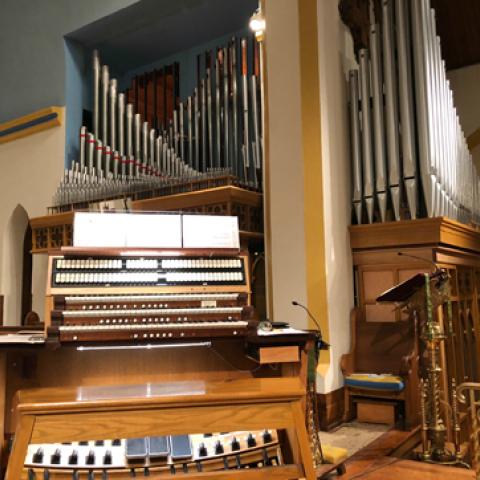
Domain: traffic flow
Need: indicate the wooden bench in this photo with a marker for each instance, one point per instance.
(51, 415)
(379, 348)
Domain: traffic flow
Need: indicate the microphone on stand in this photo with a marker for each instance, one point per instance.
(322, 345)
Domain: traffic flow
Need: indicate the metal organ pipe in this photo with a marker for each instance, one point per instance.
(218, 134)
(426, 149)
(367, 157)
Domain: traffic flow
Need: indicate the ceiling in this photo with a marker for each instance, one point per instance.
(150, 30)
(458, 24)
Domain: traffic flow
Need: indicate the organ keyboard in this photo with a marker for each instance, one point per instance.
(154, 455)
(149, 295)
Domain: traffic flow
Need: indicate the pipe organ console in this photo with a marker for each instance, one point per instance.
(114, 299)
(145, 456)
(145, 296)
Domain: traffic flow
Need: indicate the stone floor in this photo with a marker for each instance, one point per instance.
(353, 436)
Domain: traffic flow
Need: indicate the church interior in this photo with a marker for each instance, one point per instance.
(240, 239)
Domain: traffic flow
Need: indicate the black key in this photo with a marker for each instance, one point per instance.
(55, 458)
(99, 443)
(136, 448)
(73, 458)
(38, 456)
(116, 442)
(207, 435)
(251, 442)
(180, 447)
(235, 444)
(90, 458)
(267, 436)
(158, 446)
(202, 450)
(83, 442)
(219, 450)
(107, 458)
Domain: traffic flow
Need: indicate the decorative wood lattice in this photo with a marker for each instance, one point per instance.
(426, 244)
(56, 230)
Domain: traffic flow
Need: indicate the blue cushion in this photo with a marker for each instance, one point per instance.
(375, 381)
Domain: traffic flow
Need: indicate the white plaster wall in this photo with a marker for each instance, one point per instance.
(465, 84)
(30, 169)
(284, 131)
(336, 57)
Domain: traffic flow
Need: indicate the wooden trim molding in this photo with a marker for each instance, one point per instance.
(331, 407)
(32, 123)
(415, 233)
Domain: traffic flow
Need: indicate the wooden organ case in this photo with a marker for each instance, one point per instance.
(148, 317)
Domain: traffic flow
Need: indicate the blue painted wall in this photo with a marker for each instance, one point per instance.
(32, 57)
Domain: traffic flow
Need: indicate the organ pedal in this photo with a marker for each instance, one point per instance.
(71, 415)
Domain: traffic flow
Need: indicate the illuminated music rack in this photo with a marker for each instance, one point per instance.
(148, 295)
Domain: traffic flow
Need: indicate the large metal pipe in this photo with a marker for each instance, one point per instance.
(121, 123)
(190, 131)
(90, 152)
(99, 155)
(96, 92)
(203, 110)
(144, 157)
(197, 128)
(421, 103)
(113, 113)
(158, 155)
(152, 151)
(83, 138)
(137, 141)
(378, 128)
(367, 157)
(356, 147)
(181, 126)
(405, 90)
(105, 89)
(391, 108)
(226, 115)
(129, 136)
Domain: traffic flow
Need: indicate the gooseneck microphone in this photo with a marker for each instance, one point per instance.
(322, 344)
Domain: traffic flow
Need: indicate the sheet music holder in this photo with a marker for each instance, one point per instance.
(404, 291)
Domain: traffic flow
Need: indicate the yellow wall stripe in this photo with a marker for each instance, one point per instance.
(32, 123)
(312, 165)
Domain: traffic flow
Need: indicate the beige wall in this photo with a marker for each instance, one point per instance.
(284, 131)
(336, 57)
(286, 189)
(30, 169)
(465, 83)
